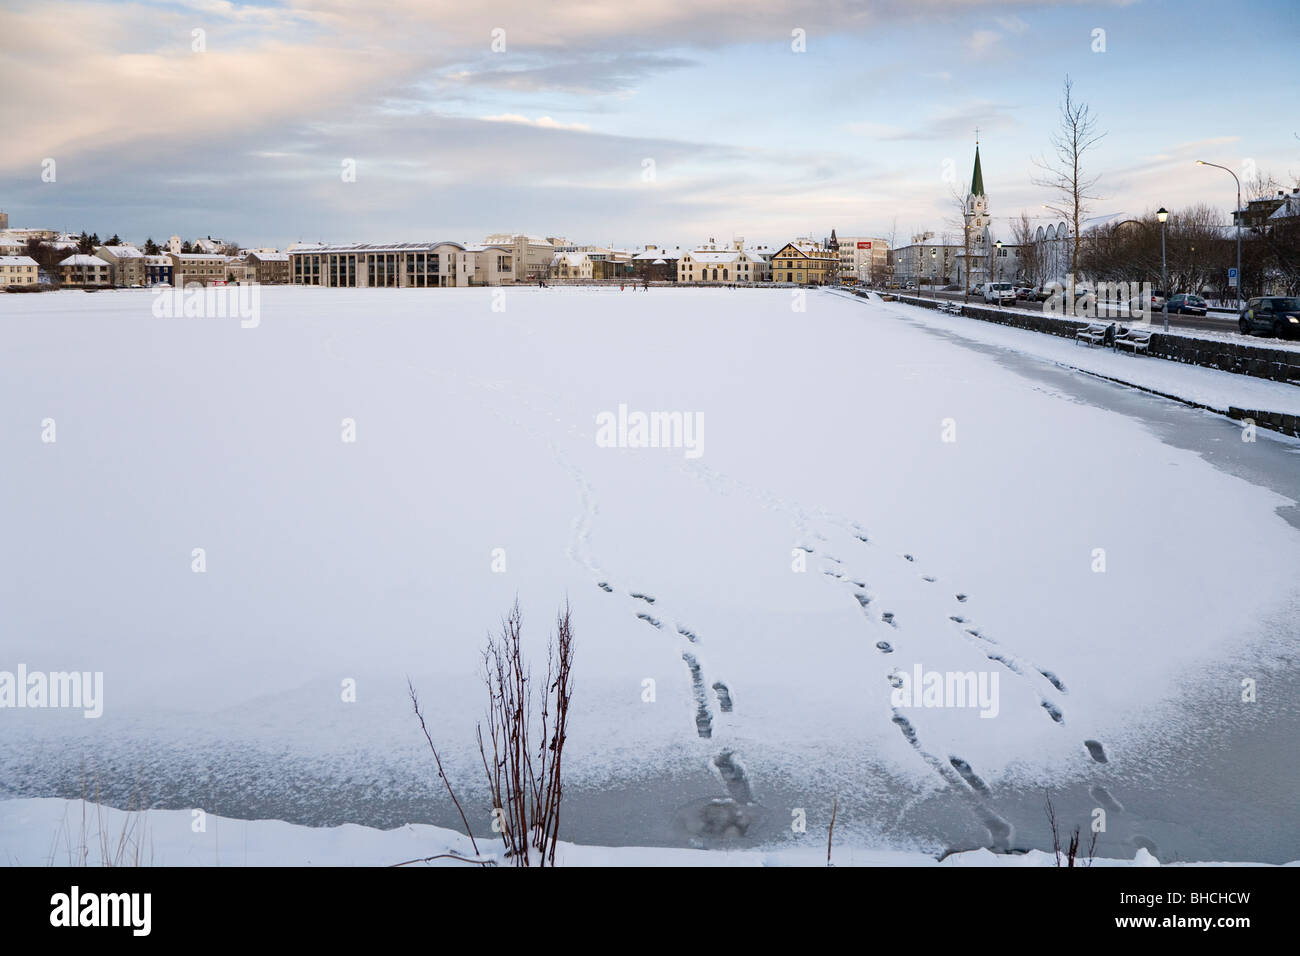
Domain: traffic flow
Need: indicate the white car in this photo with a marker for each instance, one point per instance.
(1002, 293)
(1156, 303)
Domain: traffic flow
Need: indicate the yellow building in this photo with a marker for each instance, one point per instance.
(17, 270)
(805, 262)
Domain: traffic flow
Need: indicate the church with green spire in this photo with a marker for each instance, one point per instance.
(974, 260)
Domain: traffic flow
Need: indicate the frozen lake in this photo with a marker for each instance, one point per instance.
(863, 497)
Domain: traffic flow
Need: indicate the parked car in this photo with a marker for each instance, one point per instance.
(1274, 314)
(1155, 304)
(1002, 293)
(1031, 293)
(1186, 304)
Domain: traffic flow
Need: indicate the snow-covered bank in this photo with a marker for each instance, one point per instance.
(52, 832)
(1212, 388)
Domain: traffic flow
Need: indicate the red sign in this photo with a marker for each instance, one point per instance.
(864, 245)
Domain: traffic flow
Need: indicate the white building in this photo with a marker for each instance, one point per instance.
(532, 255)
(863, 258)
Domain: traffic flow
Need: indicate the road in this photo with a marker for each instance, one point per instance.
(1220, 322)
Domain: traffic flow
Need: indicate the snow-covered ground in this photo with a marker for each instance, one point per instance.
(825, 447)
(52, 832)
(1229, 332)
(1212, 388)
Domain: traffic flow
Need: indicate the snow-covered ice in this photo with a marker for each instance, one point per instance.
(823, 446)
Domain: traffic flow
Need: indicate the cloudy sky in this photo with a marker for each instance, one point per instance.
(664, 121)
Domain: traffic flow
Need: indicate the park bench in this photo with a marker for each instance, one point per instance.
(1139, 340)
(1094, 334)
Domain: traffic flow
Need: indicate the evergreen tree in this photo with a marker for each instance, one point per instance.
(151, 247)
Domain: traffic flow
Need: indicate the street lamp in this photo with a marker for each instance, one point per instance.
(1236, 216)
(999, 258)
(1163, 215)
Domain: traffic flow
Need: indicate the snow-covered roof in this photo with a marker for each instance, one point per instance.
(655, 254)
(122, 252)
(730, 256)
(269, 256)
(1290, 207)
(203, 256)
(81, 260)
(17, 261)
(572, 258)
(319, 247)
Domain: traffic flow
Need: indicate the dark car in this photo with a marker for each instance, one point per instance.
(1184, 304)
(1273, 314)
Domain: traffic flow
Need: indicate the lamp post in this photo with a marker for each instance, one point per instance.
(1163, 215)
(999, 258)
(1236, 216)
(934, 254)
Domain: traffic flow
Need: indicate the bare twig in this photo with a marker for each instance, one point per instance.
(1051, 822)
(485, 861)
(415, 702)
(831, 835)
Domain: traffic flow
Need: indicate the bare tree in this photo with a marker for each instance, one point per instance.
(961, 221)
(1024, 235)
(523, 771)
(1063, 172)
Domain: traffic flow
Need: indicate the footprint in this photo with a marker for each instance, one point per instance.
(1005, 662)
(703, 719)
(885, 647)
(1103, 797)
(1146, 844)
(969, 775)
(687, 633)
(1055, 681)
(1096, 751)
(926, 577)
(604, 587)
(909, 557)
(961, 598)
(909, 732)
(956, 619)
(1053, 711)
(1000, 831)
(724, 696)
(888, 618)
(863, 600)
(642, 597)
(734, 776)
(649, 620)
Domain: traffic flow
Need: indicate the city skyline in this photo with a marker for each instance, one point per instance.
(608, 126)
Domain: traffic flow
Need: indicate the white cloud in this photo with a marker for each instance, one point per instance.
(542, 122)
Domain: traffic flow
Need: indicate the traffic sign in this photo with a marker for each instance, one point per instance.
(1232, 278)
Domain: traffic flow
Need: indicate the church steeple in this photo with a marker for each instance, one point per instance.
(977, 179)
